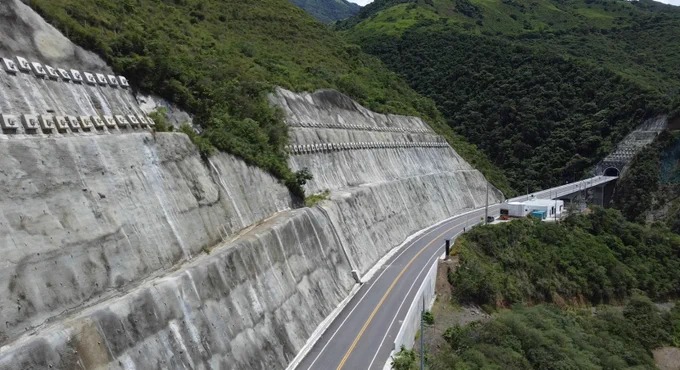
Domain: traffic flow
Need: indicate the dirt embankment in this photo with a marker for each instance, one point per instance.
(667, 358)
(446, 313)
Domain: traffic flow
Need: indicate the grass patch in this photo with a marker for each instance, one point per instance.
(315, 199)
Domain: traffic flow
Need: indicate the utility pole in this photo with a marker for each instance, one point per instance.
(486, 208)
(422, 336)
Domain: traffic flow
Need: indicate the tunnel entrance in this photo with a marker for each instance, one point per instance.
(611, 171)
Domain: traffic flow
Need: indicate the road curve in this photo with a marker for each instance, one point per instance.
(362, 335)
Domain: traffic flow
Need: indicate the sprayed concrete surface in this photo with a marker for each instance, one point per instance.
(131, 251)
(26, 34)
(248, 305)
(88, 216)
(379, 196)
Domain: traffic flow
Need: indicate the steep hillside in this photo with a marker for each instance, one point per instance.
(328, 11)
(544, 89)
(650, 189)
(546, 288)
(219, 59)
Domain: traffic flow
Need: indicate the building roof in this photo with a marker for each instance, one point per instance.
(538, 202)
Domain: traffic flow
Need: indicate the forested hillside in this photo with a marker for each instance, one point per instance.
(218, 59)
(545, 89)
(328, 11)
(574, 295)
(650, 189)
(599, 258)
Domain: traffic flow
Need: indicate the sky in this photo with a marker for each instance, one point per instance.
(364, 2)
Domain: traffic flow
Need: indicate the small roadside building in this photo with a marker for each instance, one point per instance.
(539, 208)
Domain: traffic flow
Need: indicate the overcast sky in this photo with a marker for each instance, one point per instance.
(364, 2)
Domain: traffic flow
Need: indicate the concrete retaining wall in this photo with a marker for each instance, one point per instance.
(411, 324)
(250, 304)
(373, 219)
(105, 237)
(83, 218)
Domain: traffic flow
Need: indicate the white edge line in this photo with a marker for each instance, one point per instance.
(323, 326)
(410, 313)
(321, 329)
(403, 301)
(403, 250)
(326, 323)
(386, 257)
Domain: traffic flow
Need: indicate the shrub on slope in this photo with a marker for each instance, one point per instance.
(545, 88)
(543, 119)
(599, 258)
(219, 58)
(546, 337)
(328, 11)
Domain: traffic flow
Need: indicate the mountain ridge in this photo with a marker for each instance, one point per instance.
(220, 59)
(474, 58)
(328, 11)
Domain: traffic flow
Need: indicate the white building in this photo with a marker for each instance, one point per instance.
(542, 208)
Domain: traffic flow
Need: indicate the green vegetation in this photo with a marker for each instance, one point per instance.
(405, 360)
(543, 119)
(651, 186)
(328, 11)
(537, 277)
(546, 337)
(544, 88)
(220, 59)
(160, 118)
(428, 318)
(599, 258)
(203, 145)
(314, 199)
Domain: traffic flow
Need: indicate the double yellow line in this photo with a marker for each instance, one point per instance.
(387, 293)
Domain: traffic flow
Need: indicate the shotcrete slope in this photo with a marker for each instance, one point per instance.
(250, 304)
(25, 34)
(381, 192)
(126, 249)
(89, 216)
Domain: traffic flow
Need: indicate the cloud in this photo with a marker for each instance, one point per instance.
(364, 2)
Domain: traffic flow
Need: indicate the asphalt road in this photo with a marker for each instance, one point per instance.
(362, 335)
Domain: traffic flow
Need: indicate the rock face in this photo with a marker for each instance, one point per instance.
(104, 237)
(617, 162)
(125, 249)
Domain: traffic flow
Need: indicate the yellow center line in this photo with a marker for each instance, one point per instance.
(384, 297)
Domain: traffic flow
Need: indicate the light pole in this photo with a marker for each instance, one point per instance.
(422, 336)
(486, 208)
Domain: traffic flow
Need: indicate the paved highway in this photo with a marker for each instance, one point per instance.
(362, 335)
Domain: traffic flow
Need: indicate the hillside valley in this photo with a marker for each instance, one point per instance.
(545, 89)
(328, 11)
(271, 184)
